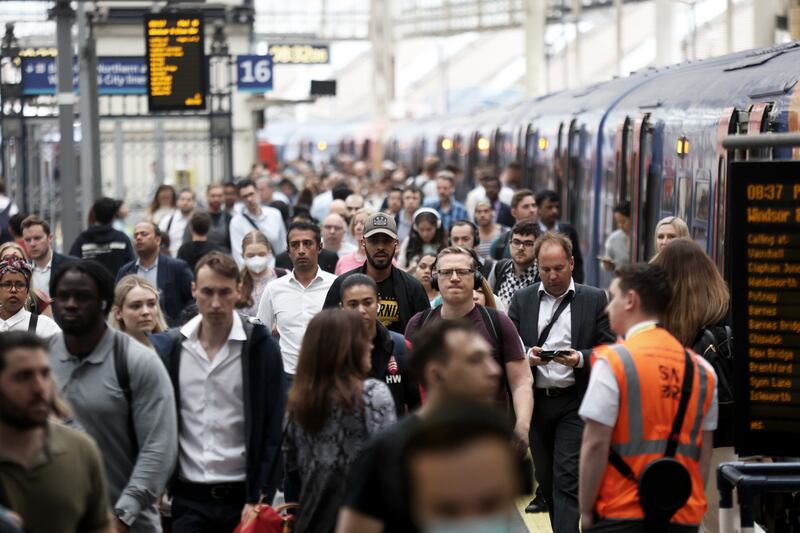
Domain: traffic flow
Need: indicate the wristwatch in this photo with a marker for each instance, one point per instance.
(124, 516)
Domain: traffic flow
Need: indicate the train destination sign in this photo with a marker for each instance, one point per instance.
(177, 70)
(300, 54)
(764, 241)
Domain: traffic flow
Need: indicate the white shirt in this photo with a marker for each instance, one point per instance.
(41, 276)
(479, 193)
(601, 402)
(45, 327)
(321, 205)
(212, 437)
(4, 201)
(270, 223)
(560, 338)
(291, 306)
(174, 226)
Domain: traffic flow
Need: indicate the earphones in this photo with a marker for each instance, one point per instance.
(430, 210)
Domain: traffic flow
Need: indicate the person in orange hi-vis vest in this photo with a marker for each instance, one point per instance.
(631, 404)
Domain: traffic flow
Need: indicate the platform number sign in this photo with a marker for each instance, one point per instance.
(254, 73)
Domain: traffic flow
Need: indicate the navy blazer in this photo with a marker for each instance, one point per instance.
(589, 323)
(60, 259)
(264, 396)
(174, 279)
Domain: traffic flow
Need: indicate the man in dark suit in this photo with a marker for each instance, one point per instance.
(172, 277)
(549, 206)
(39, 242)
(560, 321)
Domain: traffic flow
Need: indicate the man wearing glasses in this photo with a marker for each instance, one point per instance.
(511, 275)
(456, 275)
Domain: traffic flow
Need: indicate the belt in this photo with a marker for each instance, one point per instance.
(554, 392)
(211, 492)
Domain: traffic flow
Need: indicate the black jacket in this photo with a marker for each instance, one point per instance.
(60, 259)
(264, 396)
(327, 261)
(404, 389)
(569, 231)
(109, 247)
(589, 323)
(174, 280)
(411, 297)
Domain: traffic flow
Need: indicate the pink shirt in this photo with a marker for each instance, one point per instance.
(351, 261)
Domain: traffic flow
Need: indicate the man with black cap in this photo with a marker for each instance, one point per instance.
(402, 296)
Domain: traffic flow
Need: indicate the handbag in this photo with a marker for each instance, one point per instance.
(264, 518)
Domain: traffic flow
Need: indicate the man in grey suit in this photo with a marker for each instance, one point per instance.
(560, 321)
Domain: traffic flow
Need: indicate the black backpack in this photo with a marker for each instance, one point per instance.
(715, 345)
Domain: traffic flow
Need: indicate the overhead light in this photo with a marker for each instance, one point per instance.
(447, 144)
(543, 143)
(483, 144)
(322, 146)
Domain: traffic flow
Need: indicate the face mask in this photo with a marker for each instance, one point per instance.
(257, 264)
(488, 524)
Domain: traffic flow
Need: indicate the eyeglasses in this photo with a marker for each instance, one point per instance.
(460, 272)
(516, 243)
(16, 285)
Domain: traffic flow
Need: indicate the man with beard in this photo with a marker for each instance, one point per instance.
(120, 391)
(402, 296)
(37, 456)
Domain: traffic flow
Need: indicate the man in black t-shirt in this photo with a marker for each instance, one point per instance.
(200, 245)
(402, 296)
(454, 364)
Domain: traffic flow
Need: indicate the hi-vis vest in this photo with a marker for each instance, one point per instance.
(649, 369)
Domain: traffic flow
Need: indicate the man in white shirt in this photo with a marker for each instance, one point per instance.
(15, 284)
(559, 321)
(39, 242)
(267, 192)
(290, 302)
(228, 380)
(175, 226)
(255, 216)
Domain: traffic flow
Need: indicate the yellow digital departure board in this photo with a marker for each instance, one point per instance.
(176, 62)
(765, 287)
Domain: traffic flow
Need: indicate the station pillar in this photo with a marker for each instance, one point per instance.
(382, 38)
(668, 44)
(535, 22)
(764, 22)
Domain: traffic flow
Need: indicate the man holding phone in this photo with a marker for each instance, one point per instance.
(560, 321)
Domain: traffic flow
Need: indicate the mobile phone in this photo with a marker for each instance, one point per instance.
(548, 355)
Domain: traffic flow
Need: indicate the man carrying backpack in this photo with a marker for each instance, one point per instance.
(455, 275)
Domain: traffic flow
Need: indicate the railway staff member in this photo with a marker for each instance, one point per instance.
(558, 314)
(631, 402)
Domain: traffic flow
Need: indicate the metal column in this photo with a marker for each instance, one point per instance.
(618, 34)
(535, 21)
(65, 96)
(91, 182)
(667, 42)
(382, 38)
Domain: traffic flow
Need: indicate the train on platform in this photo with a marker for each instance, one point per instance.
(652, 138)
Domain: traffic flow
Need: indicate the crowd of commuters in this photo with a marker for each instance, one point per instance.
(367, 347)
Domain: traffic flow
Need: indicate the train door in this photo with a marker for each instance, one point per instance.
(570, 203)
(646, 168)
(528, 158)
(560, 163)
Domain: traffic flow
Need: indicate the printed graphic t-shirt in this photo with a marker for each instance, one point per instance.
(389, 313)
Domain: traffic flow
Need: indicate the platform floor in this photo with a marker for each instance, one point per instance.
(539, 522)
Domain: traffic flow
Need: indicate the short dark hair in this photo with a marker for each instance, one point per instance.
(430, 344)
(156, 229)
(526, 227)
(650, 282)
(100, 274)
(200, 223)
(302, 225)
(520, 195)
(357, 280)
(19, 339)
(36, 220)
(623, 208)
(15, 223)
(219, 263)
(476, 236)
(547, 194)
(186, 189)
(104, 209)
(229, 184)
(412, 188)
(341, 192)
(552, 237)
(241, 184)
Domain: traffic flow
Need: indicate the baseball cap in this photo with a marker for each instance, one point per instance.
(380, 223)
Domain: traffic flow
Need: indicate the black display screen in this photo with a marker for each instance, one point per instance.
(176, 63)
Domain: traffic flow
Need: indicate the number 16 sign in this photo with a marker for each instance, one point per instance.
(254, 73)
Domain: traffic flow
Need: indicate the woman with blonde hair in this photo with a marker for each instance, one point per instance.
(333, 410)
(257, 271)
(669, 228)
(136, 309)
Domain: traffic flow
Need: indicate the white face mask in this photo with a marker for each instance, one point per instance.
(257, 264)
(488, 524)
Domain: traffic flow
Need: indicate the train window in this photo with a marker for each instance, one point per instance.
(702, 203)
(700, 236)
(683, 197)
(668, 195)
